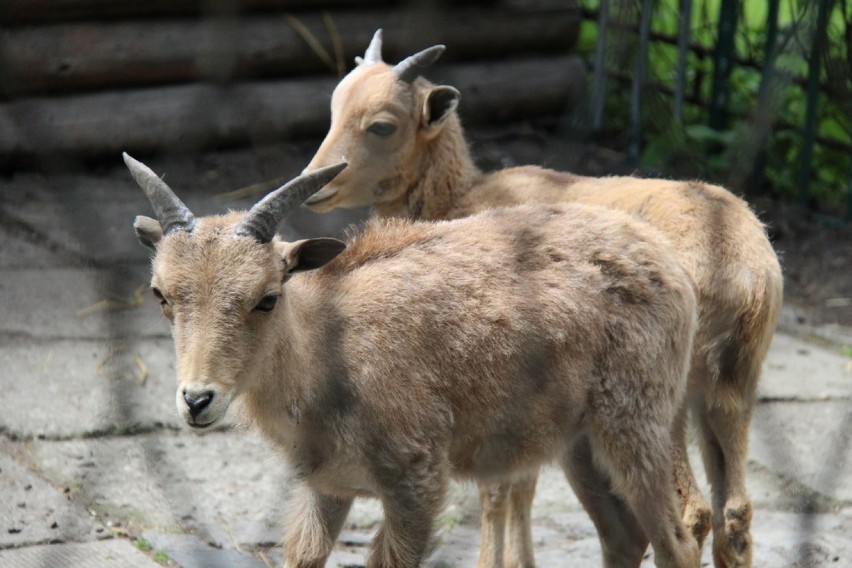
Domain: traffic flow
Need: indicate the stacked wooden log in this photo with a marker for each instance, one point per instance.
(91, 77)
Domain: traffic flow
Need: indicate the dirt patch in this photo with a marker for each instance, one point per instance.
(817, 262)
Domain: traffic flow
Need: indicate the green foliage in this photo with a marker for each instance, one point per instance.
(143, 545)
(159, 556)
(732, 155)
(782, 152)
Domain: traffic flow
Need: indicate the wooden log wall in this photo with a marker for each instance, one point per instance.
(93, 77)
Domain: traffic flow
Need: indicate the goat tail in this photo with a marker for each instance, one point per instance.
(734, 356)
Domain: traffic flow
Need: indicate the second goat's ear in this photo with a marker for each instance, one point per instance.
(148, 231)
(439, 103)
(309, 254)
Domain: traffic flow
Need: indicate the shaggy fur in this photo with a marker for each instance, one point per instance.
(424, 170)
(479, 348)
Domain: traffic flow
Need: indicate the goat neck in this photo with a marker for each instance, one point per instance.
(442, 173)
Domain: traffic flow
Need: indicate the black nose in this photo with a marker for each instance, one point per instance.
(197, 401)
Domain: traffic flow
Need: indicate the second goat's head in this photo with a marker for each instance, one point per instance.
(220, 281)
(382, 117)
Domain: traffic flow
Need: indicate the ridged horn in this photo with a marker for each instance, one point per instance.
(412, 67)
(374, 50)
(263, 219)
(170, 211)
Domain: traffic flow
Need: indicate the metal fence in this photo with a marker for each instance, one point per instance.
(762, 81)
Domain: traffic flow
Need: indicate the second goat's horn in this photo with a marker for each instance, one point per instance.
(374, 51)
(262, 220)
(412, 67)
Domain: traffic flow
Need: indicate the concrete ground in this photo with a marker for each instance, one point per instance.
(97, 470)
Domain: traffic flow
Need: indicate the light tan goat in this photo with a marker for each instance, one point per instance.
(479, 348)
(408, 158)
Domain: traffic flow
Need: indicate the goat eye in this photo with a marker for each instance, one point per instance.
(159, 296)
(383, 129)
(267, 303)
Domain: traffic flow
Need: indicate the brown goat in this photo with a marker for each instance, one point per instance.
(408, 158)
(479, 348)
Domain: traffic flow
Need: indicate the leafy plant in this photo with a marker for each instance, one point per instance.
(766, 101)
(143, 545)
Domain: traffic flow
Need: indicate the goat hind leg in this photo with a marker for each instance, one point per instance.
(656, 508)
(696, 510)
(518, 551)
(505, 530)
(724, 437)
(640, 467)
(494, 501)
(623, 542)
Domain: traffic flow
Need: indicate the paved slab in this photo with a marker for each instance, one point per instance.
(172, 481)
(32, 511)
(808, 442)
(107, 554)
(227, 486)
(72, 302)
(71, 388)
(798, 370)
(188, 551)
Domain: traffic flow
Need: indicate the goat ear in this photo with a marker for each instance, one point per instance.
(148, 231)
(440, 102)
(310, 254)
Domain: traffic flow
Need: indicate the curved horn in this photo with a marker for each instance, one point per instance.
(263, 219)
(170, 211)
(411, 67)
(374, 51)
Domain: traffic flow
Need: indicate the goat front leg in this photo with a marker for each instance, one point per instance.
(313, 527)
(412, 491)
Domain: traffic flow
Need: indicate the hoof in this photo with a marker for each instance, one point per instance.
(732, 541)
(698, 520)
